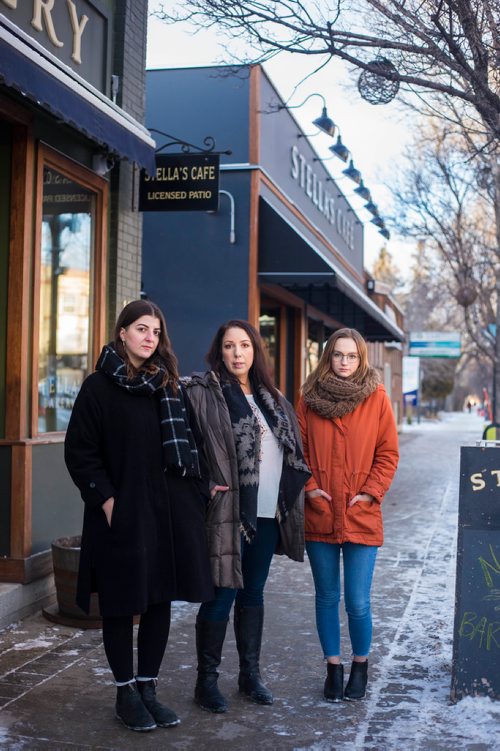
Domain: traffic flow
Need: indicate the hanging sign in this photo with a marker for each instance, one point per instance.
(434, 344)
(182, 182)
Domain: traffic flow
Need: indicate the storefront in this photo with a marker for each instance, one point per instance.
(71, 144)
(294, 266)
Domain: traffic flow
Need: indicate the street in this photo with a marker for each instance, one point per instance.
(56, 690)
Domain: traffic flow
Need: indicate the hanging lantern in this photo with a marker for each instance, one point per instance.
(379, 85)
(466, 294)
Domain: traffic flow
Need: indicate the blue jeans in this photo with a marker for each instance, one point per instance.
(359, 562)
(256, 560)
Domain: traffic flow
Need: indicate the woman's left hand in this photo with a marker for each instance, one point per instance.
(216, 489)
(365, 497)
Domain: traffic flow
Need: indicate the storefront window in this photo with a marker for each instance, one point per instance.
(317, 336)
(269, 330)
(66, 258)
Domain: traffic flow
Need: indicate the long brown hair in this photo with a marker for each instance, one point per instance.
(130, 313)
(324, 365)
(260, 372)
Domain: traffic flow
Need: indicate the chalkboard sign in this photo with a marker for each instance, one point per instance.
(476, 638)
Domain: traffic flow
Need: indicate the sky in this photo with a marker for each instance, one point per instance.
(375, 135)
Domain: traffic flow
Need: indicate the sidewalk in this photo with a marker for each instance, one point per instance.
(57, 694)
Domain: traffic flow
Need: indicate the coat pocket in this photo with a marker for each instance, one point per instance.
(318, 515)
(364, 518)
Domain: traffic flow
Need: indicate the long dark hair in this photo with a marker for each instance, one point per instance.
(130, 313)
(260, 372)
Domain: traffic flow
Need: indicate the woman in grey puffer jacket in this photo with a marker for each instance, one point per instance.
(257, 474)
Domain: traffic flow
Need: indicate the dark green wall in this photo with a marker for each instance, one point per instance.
(57, 507)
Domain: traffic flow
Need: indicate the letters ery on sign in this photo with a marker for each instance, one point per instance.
(75, 31)
(182, 182)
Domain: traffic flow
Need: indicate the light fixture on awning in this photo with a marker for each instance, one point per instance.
(352, 173)
(323, 122)
(340, 150)
(36, 74)
(363, 191)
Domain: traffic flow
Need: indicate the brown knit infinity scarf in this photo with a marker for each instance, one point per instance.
(336, 397)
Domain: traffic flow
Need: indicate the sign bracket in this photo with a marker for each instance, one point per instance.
(186, 147)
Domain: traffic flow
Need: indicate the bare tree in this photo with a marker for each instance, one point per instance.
(450, 47)
(438, 199)
(445, 51)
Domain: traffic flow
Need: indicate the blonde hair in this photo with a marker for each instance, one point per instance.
(324, 365)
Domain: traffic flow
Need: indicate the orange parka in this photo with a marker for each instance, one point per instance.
(356, 453)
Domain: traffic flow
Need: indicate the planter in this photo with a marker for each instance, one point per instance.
(66, 558)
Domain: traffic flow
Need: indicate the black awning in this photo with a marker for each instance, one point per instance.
(28, 71)
(290, 260)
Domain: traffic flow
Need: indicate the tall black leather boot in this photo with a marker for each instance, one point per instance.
(162, 715)
(334, 683)
(131, 710)
(248, 624)
(356, 685)
(209, 640)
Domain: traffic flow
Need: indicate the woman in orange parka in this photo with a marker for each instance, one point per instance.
(351, 447)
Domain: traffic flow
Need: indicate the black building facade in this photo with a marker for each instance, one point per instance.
(294, 265)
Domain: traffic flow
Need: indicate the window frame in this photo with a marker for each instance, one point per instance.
(48, 157)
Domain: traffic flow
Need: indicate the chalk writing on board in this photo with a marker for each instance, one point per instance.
(490, 567)
(484, 633)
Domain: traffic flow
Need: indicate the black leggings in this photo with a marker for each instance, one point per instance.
(152, 637)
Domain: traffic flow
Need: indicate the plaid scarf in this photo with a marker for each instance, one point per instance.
(247, 441)
(179, 447)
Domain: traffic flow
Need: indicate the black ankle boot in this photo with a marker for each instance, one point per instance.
(130, 709)
(356, 685)
(334, 683)
(162, 715)
(248, 624)
(209, 640)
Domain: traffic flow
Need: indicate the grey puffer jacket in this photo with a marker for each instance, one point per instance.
(223, 514)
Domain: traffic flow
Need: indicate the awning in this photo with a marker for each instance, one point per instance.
(288, 258)
(36, 74)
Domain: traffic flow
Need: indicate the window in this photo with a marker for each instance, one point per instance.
(70, 251)
(269, 324)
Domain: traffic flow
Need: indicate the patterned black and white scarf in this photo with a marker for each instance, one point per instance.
(247, 439)
(179, 447)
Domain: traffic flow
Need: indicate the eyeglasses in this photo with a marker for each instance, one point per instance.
(339, 356)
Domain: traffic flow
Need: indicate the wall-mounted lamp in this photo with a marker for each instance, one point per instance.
(352, 173)
(372, 208)
(340, 150)
(103, 163)
(363, 191)
(323, 122)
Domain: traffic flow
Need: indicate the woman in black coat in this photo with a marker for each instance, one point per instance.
(132, 450)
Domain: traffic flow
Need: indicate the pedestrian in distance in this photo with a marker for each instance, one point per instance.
(351, 446)
(257, 474)
(133, 451)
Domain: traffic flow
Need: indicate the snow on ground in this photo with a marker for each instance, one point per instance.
(420, 658)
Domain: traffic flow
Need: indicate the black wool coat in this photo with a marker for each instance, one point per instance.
(155, 549)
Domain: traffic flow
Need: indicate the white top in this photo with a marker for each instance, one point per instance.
(271, 464)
